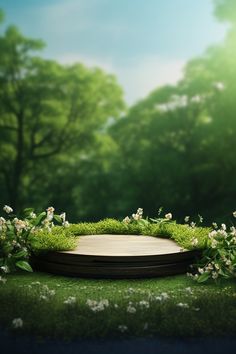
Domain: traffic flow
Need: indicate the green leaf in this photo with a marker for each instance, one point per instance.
(21, 254)
(58, 218)
(24, 265)
(203, 277)
(39, 218)
(28, 211)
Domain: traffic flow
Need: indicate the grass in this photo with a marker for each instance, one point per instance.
(63, 239)
(207, 310)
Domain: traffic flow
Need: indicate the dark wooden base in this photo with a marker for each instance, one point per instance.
(77, 263)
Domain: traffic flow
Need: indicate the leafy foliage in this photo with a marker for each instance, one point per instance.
(20, 237)
(219, 257)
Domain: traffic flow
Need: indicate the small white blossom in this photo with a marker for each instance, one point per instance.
(223, 227)
(194, 241)
(214, 224)
(126, 220)
(50, 213)
(144, 304)
(183, 305)
(65, 224)
(214, 243)
(63, 217)
(200, 270)
(193, 224)
(4, 269)
(164, 296)
(168, 216)
(33, 215)
(70, 301)
(122, 328)
(2, 221)
(131, 309)
(212, 234)
(17, 323)
(97, 306)
(186, 219)
(7, 209)
(234, 214)
(214, 275)
(219, 86)
(3, 280)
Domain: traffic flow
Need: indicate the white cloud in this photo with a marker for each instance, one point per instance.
(147, 74)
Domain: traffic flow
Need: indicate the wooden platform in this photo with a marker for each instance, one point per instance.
(118, 256)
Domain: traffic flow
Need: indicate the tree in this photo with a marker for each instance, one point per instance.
(46, 109)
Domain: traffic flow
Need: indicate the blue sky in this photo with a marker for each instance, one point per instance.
(146, 43)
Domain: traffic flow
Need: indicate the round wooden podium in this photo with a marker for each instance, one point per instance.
(118, 256)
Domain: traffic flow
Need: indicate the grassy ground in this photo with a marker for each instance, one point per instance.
(170, 306)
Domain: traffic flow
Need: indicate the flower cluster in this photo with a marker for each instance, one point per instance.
(219, 257)
(135, 216)
(97, 306)
(16, 234)
(138, 218)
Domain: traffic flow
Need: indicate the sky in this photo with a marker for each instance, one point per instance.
(145, 43)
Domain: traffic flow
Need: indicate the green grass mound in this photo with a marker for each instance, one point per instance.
(64, 239)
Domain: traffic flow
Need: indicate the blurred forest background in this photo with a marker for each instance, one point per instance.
(68, 139)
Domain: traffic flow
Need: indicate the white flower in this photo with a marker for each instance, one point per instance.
(136, 216)
(33, 215)
(214, 275)
(126, 220)
(50, 213)
(97, 306)
(219, 86)
(168, 216)
(223, 227)
(189, 290)
(70, 301)
(43, 297)
(193, 224)
(212, 234)
(122, 328)
(7, 209)
(213, 243)
(2, 280)
(140, 212)
(65, 224)
(2, 221)
(131, 309)
(63, 217)
(20, 224)
(183, 305)
(164, 296)
(214, 224)
(194, 241)
(17, 323)
(5, 269)
(186, 219)
(144, 304)
(234, 214)
(200, 270)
